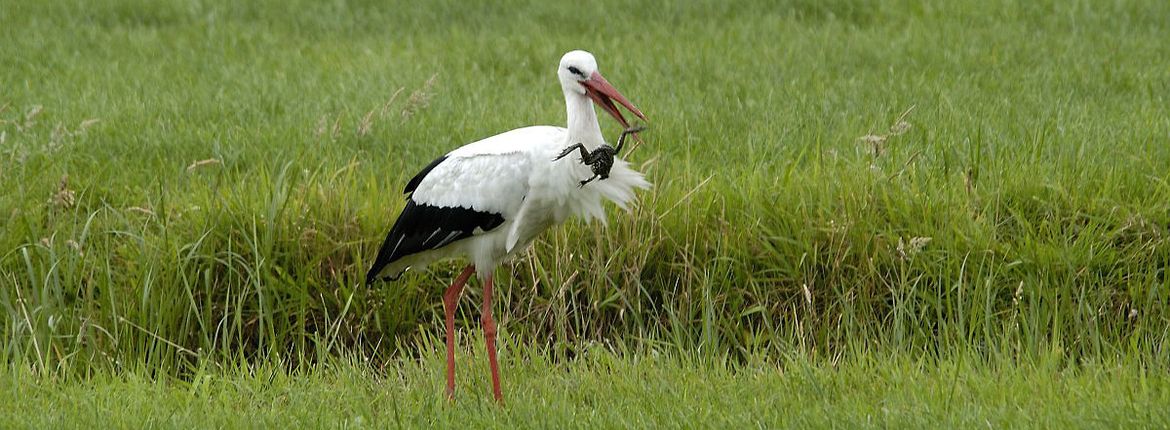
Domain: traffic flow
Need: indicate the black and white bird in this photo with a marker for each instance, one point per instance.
(488, 200)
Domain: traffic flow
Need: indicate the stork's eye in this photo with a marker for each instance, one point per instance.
(574, 70)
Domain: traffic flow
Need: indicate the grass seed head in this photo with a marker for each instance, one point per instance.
(367, 124)
(906, 250)
(30, 118)
(64, 197)
(85, 125)
(76, 247)
(877, 142)
(873, 139)
(899, 128)
(419, 99)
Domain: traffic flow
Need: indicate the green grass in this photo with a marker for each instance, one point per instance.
(188, 185)
(602, 390)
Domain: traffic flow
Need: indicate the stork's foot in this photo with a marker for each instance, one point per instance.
(595, 176)
(628, 131)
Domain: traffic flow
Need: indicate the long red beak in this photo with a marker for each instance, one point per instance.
(604, 94)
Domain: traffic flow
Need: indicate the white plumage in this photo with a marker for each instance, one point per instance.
(489, 199)
(513, 175)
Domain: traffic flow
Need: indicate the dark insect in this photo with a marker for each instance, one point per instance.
(601, 159)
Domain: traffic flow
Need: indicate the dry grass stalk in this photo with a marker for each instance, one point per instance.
(140, 210)
(201, 163)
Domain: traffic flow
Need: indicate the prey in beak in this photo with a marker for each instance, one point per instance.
(601, 159)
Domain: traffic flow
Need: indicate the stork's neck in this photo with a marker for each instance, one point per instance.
(582, 121)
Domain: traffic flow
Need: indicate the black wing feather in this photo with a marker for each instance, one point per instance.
(424, 227)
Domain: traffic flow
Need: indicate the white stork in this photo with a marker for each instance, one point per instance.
(489, 199)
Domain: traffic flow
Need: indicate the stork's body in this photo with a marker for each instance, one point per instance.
(489, 199)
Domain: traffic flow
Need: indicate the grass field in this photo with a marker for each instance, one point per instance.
(601, 390)
(885, 194)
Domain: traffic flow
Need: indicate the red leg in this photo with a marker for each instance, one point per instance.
(489, 334)
(450, 300)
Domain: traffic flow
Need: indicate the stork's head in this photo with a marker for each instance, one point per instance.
(579, 75)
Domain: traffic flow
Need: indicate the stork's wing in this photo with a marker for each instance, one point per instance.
(460, 195)
(493, 182)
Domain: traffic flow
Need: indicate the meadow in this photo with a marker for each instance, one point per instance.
(864, 213)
